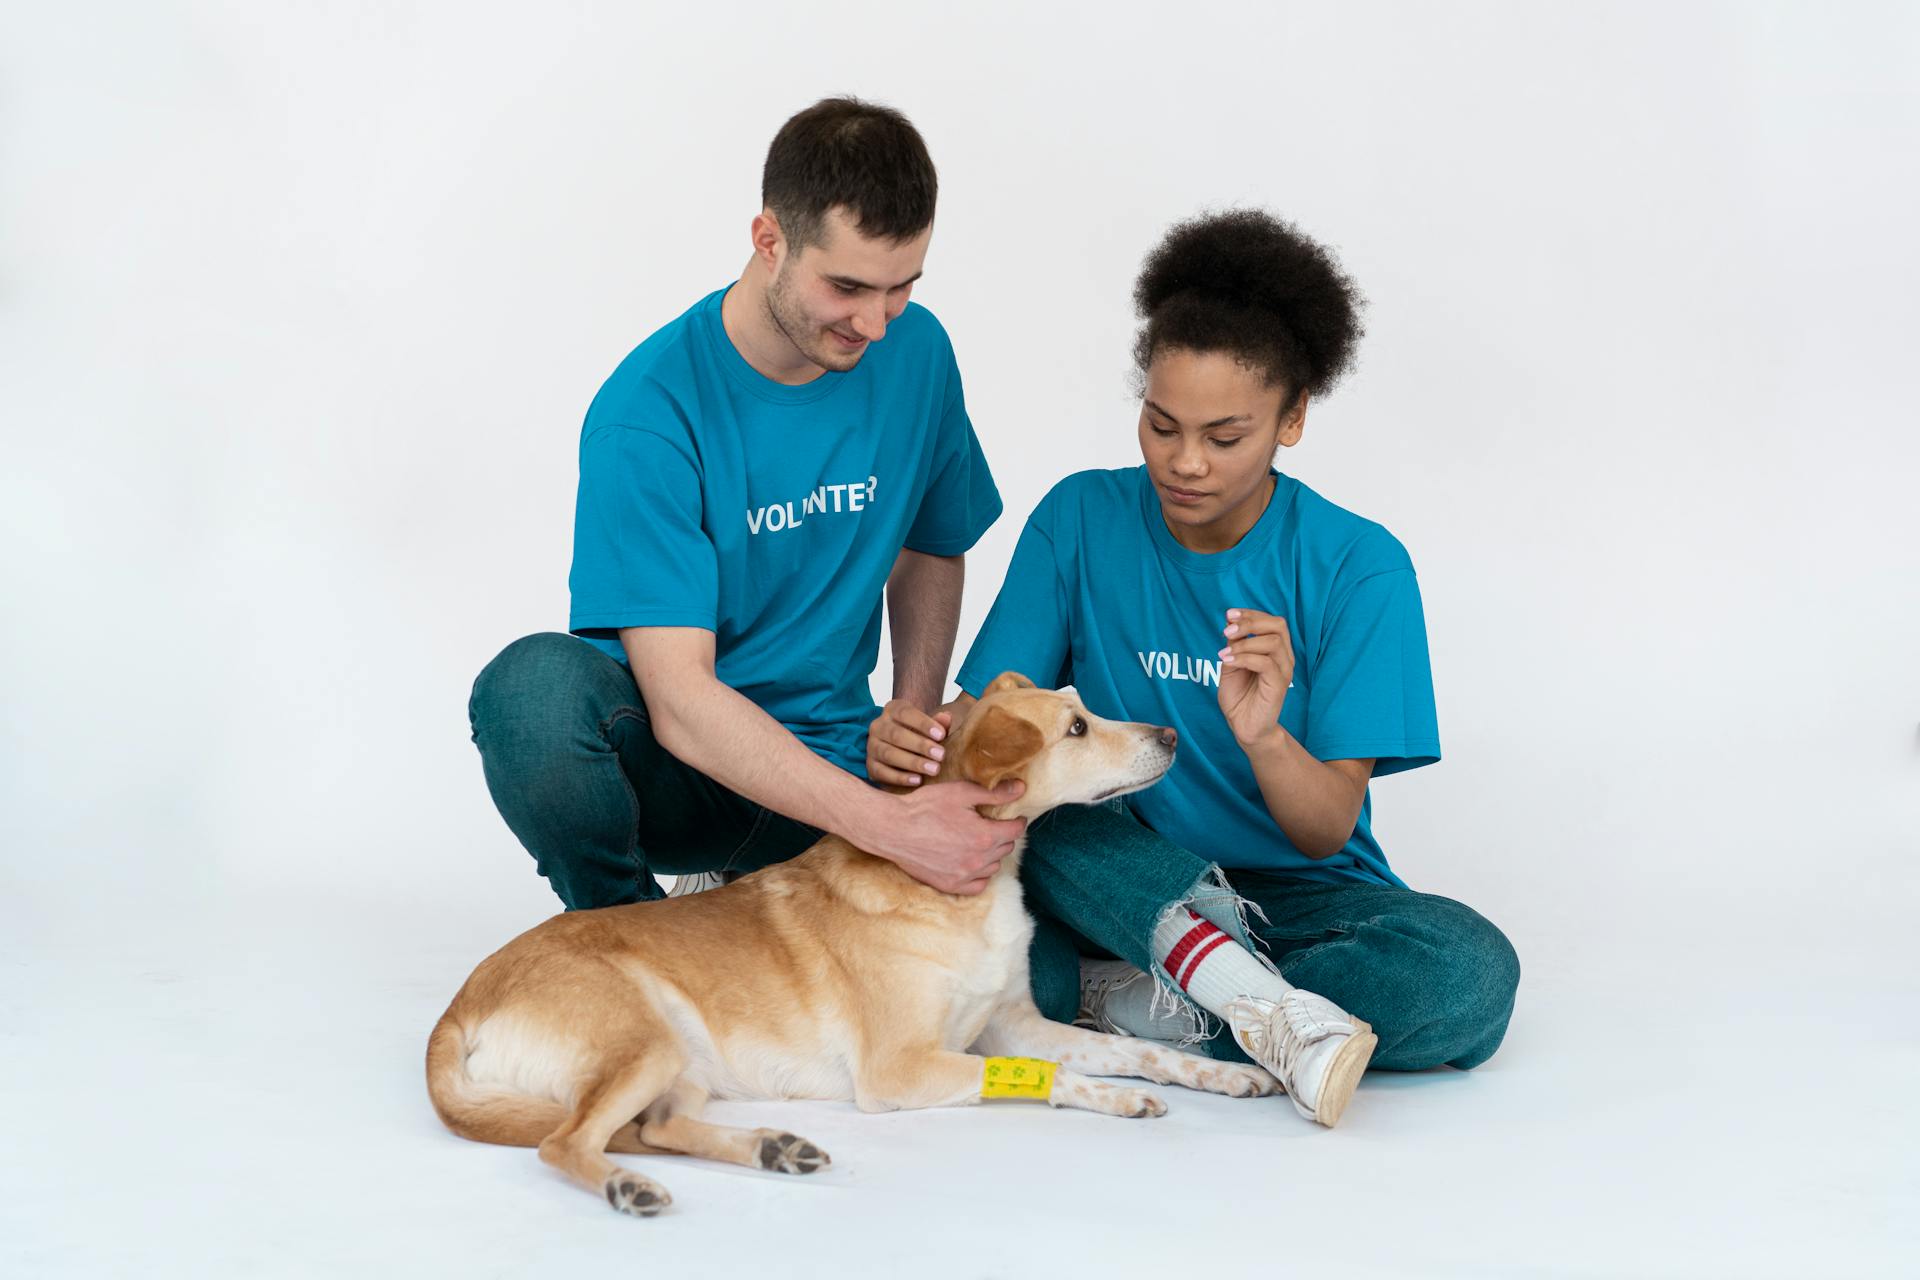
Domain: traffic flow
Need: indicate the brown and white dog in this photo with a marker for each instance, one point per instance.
(835, 975)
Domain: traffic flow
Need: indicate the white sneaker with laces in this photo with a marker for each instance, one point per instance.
(1099, 979)
(1121, 1000)
(1310, 1044)
(697, 882)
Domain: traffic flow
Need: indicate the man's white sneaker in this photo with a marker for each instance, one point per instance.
(1314, 1047)
(1120, 1000)
(697, 882)
(1099, 979)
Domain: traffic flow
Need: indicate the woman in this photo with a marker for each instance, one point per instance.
(1282, 636)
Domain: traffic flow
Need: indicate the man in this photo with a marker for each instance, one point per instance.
(752, 477)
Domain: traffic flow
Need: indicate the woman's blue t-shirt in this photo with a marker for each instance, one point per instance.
(1101, 597)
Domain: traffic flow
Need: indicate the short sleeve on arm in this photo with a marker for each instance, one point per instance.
(961, 501)
(1371, 694)
(1027, 629)
(640, 555)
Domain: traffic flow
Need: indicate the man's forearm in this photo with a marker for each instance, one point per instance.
(923, 603)
(749, 752)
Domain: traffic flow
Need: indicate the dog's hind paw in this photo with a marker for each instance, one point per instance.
(785, 1153)
(631, 1193)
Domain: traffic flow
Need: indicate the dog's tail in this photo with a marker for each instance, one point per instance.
(487, 1113)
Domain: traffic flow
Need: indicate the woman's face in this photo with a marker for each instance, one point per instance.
(1208, 430)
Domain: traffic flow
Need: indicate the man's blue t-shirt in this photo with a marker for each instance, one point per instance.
(1101, 597)
(771, 515)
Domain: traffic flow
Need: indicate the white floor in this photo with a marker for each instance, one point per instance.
(240, 1094)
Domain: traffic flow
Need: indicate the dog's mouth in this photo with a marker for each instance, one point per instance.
(1128, 788)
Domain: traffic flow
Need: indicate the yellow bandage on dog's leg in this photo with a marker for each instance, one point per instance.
(1017, 1078)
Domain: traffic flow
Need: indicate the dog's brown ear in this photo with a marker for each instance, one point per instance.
(1008, 680)
(998, 744)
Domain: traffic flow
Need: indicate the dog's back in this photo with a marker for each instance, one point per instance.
(771, 987)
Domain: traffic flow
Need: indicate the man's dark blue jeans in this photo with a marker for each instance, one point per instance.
(575, 770)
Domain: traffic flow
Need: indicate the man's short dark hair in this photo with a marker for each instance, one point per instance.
(842, 151)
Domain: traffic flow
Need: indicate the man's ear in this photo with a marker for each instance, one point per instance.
(769, 240)
(1008, 680)
(998, 745)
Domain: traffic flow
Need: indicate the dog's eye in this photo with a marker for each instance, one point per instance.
(1078, 729)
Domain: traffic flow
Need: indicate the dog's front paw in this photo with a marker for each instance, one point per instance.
(1236, 1081)
(1138, 1103)
(786, 1153)
(631, 1193)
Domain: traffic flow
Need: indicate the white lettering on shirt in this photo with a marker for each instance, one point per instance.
(827, 499)
(1159, 664)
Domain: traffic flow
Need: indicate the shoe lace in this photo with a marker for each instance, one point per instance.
(1095, 990)
(696, 882)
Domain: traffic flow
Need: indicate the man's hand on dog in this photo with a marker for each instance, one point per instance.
(938, 837)
(1256, 668)
(941, 840)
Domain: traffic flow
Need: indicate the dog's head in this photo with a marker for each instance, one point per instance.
(1062, 752)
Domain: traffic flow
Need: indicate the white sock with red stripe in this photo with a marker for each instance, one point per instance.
(1207, 964)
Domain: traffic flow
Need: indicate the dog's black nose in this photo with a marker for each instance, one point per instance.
(1169, 739)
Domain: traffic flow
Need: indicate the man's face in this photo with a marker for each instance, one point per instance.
(834, 297)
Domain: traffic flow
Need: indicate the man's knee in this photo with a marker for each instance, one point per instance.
(539, 709)
(520, 673)
(548, 685)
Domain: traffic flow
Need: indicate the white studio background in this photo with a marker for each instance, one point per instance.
(301, 306)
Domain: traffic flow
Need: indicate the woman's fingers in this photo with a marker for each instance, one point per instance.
(920, 739)
(915, 720)
(903, 747)
(1269, 645)
(1252, 622)
(1259, 664)
(891, 777)
(898, 758)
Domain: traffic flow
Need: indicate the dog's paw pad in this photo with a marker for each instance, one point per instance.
(631, 1193)
(786, 1153)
